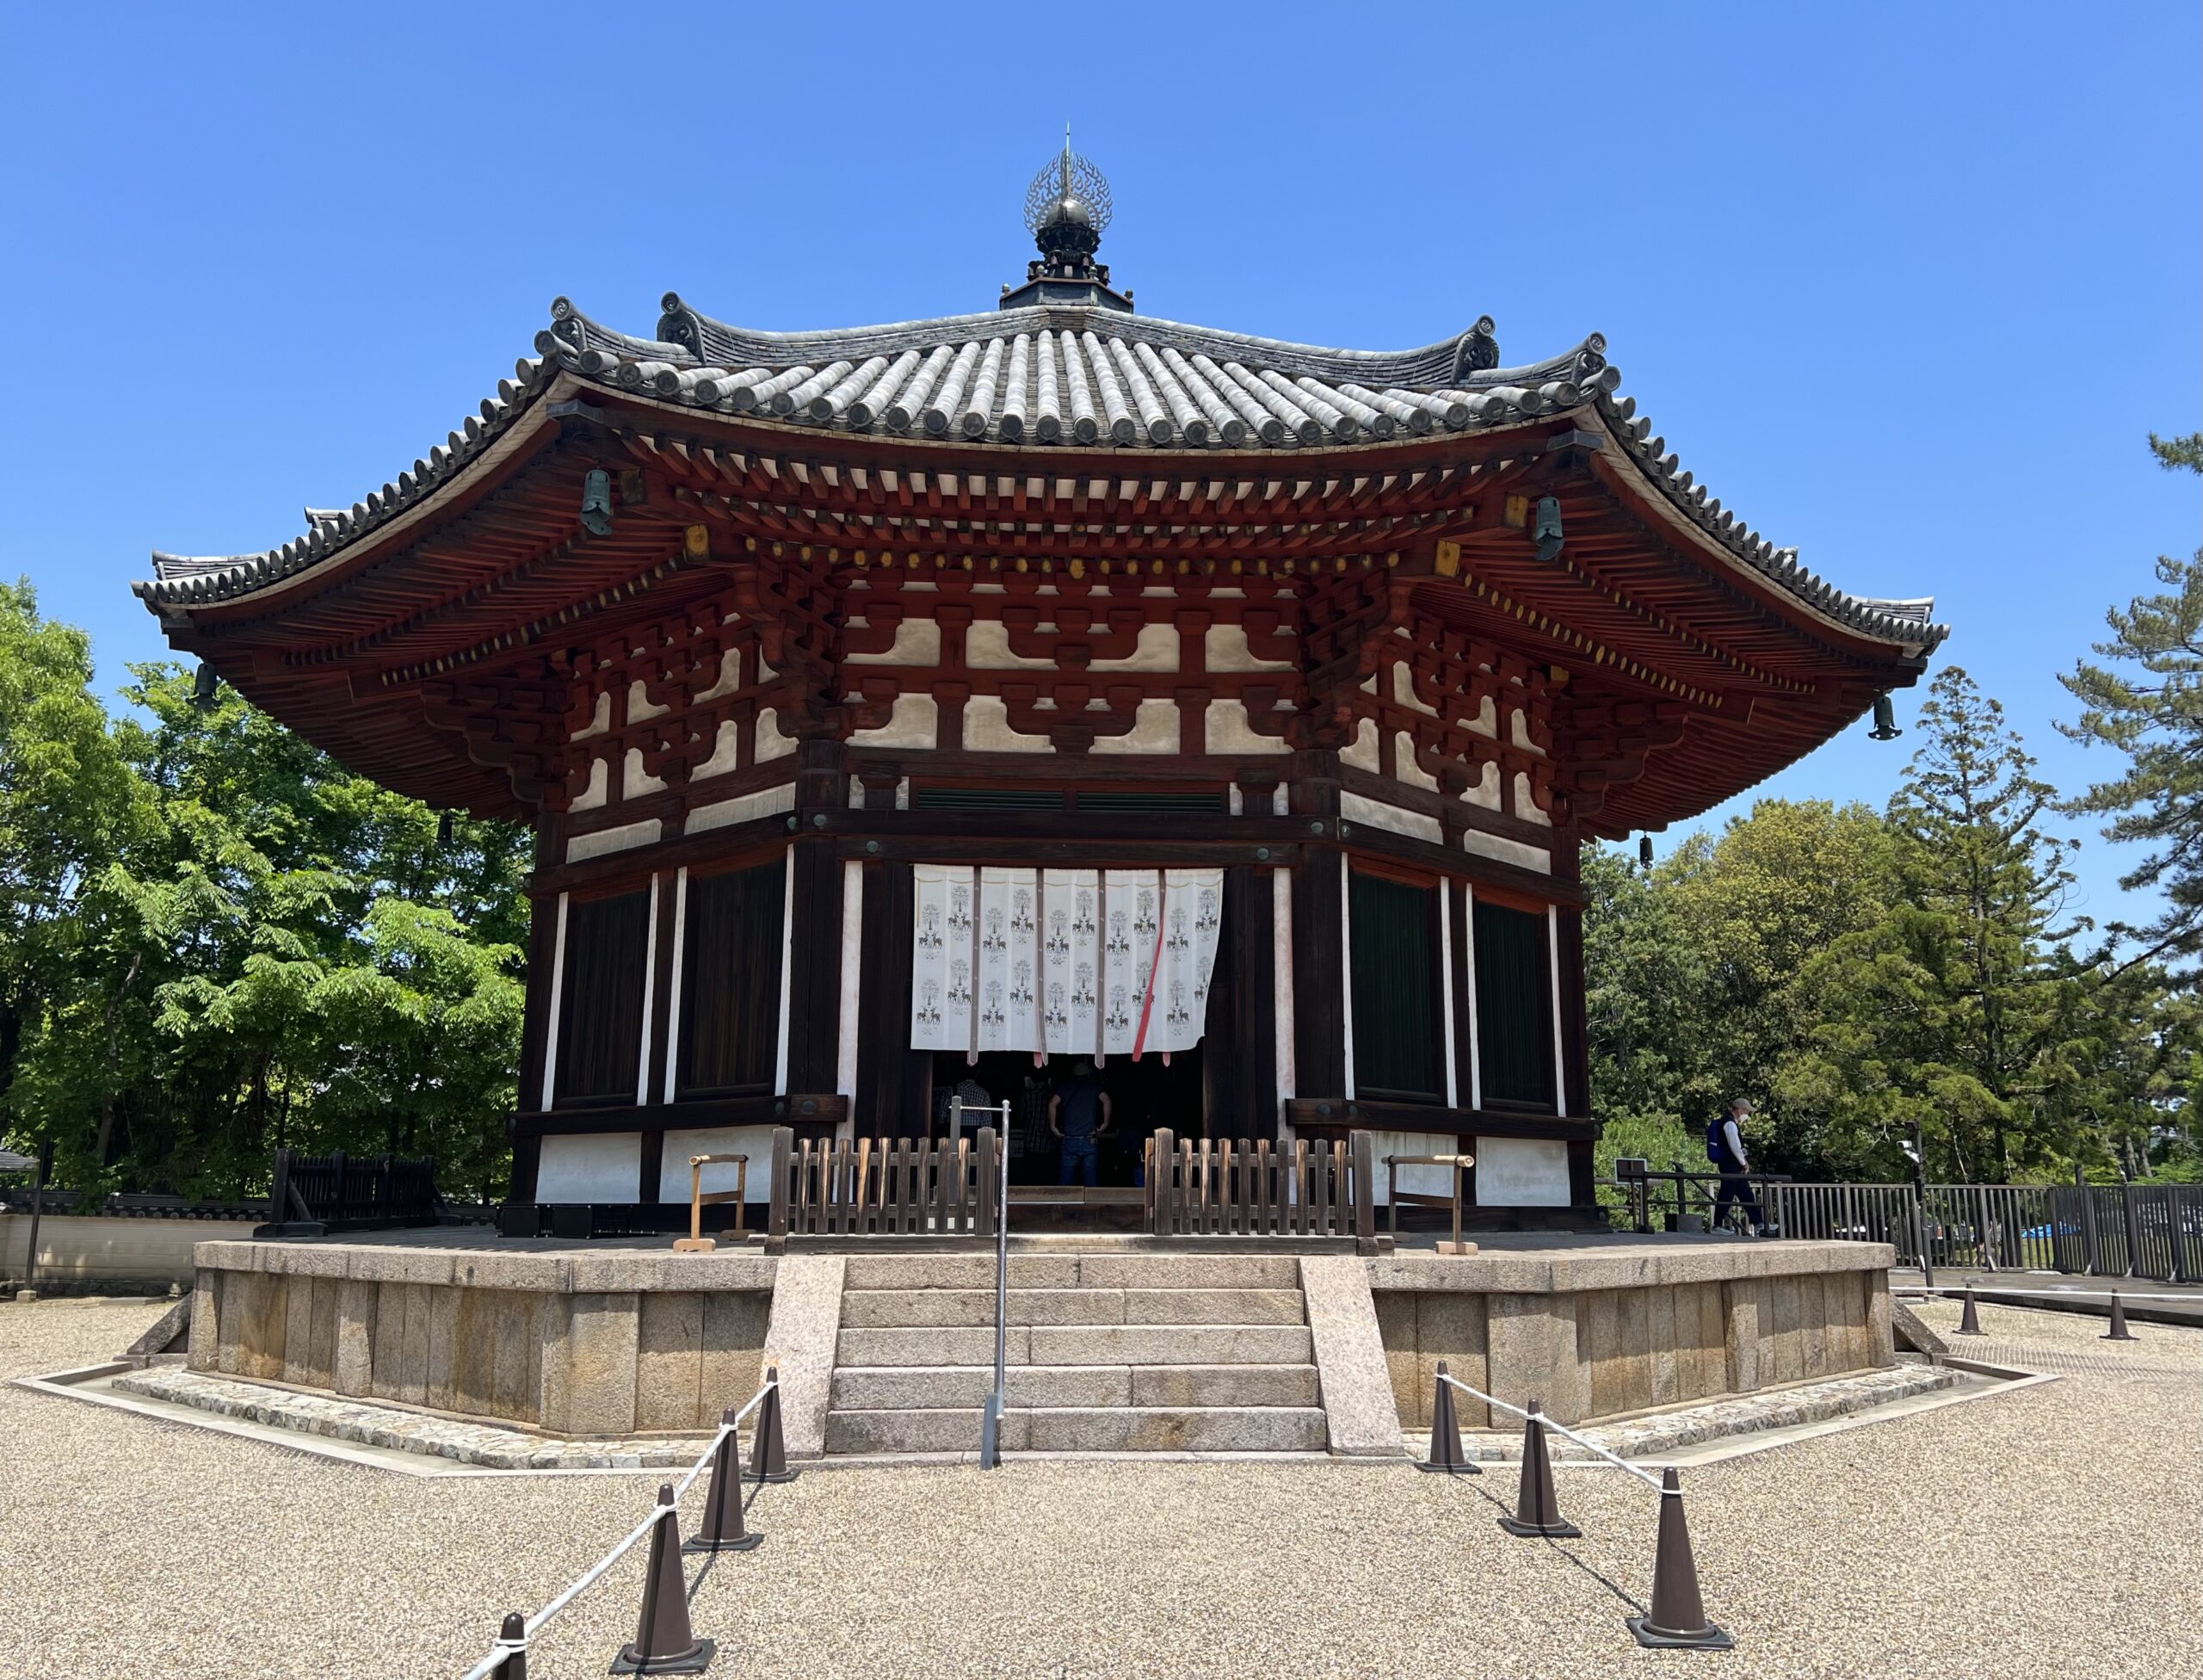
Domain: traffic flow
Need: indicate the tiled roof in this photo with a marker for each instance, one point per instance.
(1055, 375)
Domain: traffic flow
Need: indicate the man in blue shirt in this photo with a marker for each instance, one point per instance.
(1079, 1114)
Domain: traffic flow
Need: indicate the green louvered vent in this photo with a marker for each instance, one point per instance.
(989, 799)
(1099, 804)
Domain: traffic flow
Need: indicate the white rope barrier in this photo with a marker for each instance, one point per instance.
(502, 1650)
(1620, 1463)
(2047, 1292)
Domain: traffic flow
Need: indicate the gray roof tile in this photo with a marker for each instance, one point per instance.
(1050, 375)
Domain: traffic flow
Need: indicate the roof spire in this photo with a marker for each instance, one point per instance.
(1066, 207)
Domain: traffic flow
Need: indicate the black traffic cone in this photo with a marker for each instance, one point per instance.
(1677, 1617)
(1537, 1508)
(512, 1639)
(1445, 1454)
(663, 1642)
(1969, 1319)
(2117, 1332)
(719, 1528)
(769, 1453)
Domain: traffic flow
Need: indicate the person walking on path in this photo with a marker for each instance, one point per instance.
(1079, 1115)
(1725, 1146)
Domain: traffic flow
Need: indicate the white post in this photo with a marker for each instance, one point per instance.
(558, 988)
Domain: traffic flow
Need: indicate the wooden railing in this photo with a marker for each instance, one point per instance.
(346, 1193)
(894, 1187)
(1223, 1187)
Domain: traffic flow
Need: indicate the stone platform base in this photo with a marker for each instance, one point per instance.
(1155, 1343)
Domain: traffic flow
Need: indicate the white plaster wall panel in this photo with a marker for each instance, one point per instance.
(1501, 850)
(1484, 791)
(914, 722)
(1520, 1172)
(634, 781)
(1404, 767)
(755, 1141)
(1280, 801)
(604, 841)
(1225, 731)
(1518, 726)
(1154, 729)
(1525, 806)
(1403, 692)
(600, 720)
(986, 728)
(1362, 755)
(729, 676)
(917, 642)
(1486, 721)
(986, 647)
(1374, 813)
(1155, 650)
(771, 743)
(727, 752)
(1414, 1181)
(1238, 799)
(744, 808)
(1226, 648)
(593, 796)
(639, 709)
(591, 1166)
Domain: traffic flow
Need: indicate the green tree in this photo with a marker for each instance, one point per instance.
(1754, 909)
(214, 940)
(1960, 1008)
(2147, 705)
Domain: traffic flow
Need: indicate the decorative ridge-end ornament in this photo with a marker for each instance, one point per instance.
(1477, 351)
(677, 323)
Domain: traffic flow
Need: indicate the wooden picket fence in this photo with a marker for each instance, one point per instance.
(894, 1187)
(1223, 1187)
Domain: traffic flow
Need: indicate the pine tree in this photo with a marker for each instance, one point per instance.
(2148, 705)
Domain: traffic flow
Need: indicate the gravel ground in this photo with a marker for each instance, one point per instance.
(2057, 1528)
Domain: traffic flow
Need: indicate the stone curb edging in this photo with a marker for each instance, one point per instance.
(1750, 1414)
(491, 1448)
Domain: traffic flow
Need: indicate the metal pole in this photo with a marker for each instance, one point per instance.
(37, 1209)
(991, 1419)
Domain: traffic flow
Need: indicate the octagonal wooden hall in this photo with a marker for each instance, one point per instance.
(955, 700)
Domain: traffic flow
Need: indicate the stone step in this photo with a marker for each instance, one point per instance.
(874, 1309)
(1081, 1344)
(908, 1388)
(1084, 1430)
(976, 1270)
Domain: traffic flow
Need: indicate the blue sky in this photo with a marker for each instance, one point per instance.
(1906, 286)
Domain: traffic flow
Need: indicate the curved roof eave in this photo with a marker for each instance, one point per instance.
(1152, 392)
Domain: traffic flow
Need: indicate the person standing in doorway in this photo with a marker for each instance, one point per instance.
(1725, 1145)
(1079, 1114)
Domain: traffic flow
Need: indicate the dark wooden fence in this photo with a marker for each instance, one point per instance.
(341, 1192)
(1223, 1187)
(896, 1187)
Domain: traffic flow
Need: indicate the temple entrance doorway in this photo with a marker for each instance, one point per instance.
(1143, 1095)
